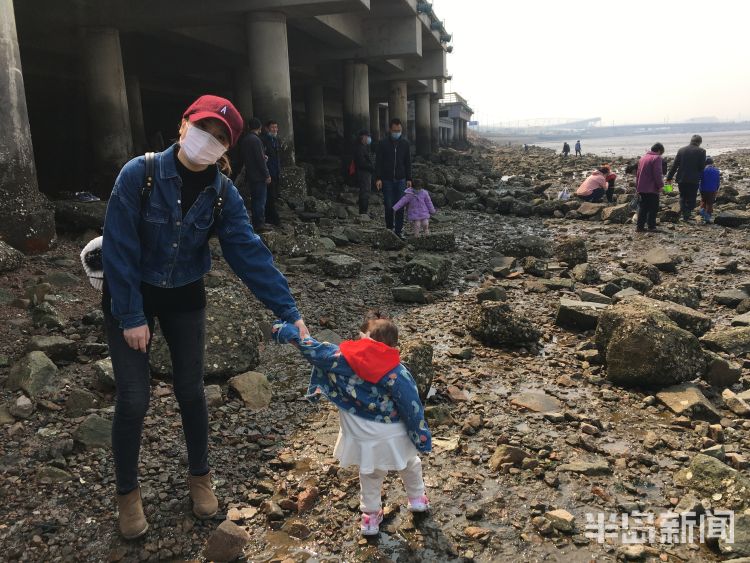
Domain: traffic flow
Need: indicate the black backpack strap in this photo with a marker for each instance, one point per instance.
(148, 177)
(219, 202)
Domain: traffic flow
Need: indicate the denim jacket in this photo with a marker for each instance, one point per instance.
(155, 244)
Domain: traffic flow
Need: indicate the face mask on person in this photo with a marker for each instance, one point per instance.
(272, 134)
(395, 135)
(201, 147)
(369, 140)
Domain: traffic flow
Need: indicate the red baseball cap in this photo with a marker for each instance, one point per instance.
(217, 108)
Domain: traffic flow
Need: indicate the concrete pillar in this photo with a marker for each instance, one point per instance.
(316, 127)
(356, 98)
(456, 133)
(243, 91)
(397, 101)
(27, 221)
(464, 129)
(268, 54)
(135, 109)
(109, 118)
(375, 121)
(434, 123)
(423, 127)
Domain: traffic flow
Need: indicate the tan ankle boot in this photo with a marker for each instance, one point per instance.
(132, 519)
(205, 504)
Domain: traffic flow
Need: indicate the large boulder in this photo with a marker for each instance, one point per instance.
(445, 240)
(232, 336)
(585, 273)
(687, 399)
(253, 388)
(643, 347)
(10, 258)
(293, 183)
(466, 183)
(708, 476)
(386, 239)
(79, 216)
(589, 210)
(409, 294)
(495, 324)
(34, 373)
(55, 347)
(341, 266)
(524, 246)
(731, 297)
(572, 251)
(617, 213)
(721, 372)
(684, 317)
(732, 218)
(416, 355)
(735, 340)
(427, 270)
(677, 292)
(636, 281)
(662, 259)
(578, 315)
(94, 432)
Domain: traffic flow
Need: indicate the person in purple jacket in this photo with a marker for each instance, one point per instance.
(649, 183)
(418, 208)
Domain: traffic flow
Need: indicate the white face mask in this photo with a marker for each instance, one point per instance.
(201, 147)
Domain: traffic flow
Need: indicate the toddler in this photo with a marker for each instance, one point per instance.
(382, 424)
(709, 187)
(418, 208)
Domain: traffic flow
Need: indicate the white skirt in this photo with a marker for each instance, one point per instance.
(372, 445)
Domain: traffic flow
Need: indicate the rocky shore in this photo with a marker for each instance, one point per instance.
(570, 365)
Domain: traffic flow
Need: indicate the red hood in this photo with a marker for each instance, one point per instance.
(370, 359)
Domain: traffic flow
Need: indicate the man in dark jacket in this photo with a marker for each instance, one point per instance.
(393, 173)
(273, 152)
(365, 169)
(688, 164)
(253, 156)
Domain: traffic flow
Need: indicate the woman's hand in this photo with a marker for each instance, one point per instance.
(303, 332)
(138, 337)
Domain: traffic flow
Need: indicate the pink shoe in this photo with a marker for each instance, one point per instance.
(371, 523)
(419, 504)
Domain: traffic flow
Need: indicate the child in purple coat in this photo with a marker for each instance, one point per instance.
(418, 208)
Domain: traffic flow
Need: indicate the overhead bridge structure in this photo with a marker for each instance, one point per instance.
(88, 84)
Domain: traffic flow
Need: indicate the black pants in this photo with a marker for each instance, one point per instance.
(610, 195)
(274, 193)
(595, 197)
(364, 183)
(185, 333)
(688, 199)
(647, 210)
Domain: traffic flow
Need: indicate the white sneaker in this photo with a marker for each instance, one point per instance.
(371, 523)
(419, 504)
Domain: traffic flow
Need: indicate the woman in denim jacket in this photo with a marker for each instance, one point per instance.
(155, 254)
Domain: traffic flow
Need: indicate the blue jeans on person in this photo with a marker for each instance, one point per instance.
(392, 192)
(185, 334)
(258, 196)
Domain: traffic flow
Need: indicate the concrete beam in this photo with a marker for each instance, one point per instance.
(140, 15)
(379, 40)
(342, 31)
(431, 65)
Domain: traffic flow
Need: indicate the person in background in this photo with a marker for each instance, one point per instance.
(393, 173)
(257, 176)
(578, 148)
(610, 177)
(687, 169)
(709, 187)
(566, 150)
(273, 152)
(364, 168)
(593, 188)
(649, 182)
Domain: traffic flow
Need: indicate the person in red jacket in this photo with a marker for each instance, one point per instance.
(649, 183)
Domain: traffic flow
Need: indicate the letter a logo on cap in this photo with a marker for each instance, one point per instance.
(223, 110)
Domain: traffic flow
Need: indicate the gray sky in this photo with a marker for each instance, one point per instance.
(628, 62)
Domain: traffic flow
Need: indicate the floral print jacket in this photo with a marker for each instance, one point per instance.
(388, 398)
